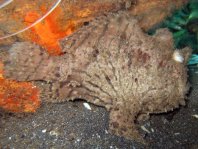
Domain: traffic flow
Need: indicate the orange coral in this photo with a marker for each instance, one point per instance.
(22, 96)
(18, 97)
(48, 33)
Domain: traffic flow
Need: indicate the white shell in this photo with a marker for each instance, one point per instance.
(195, 115)
(145, 129)
(87, 106)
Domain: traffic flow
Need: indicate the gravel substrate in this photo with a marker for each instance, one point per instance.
(71, 125)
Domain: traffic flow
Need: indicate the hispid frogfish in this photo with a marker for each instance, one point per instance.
(109, 62)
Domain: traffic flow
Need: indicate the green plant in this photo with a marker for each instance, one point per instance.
(184, 26)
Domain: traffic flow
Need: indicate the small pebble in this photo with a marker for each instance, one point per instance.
(106, 132)
(44, 130)
(195, 115)
(144, 128)
(177, 133)
(54, 133)
(87, 106)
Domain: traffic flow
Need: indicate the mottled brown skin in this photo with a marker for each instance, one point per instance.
(110, 63)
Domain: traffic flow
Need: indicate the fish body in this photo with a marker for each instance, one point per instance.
(112, 63)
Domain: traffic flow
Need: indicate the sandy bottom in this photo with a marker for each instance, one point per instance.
(71, 125)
